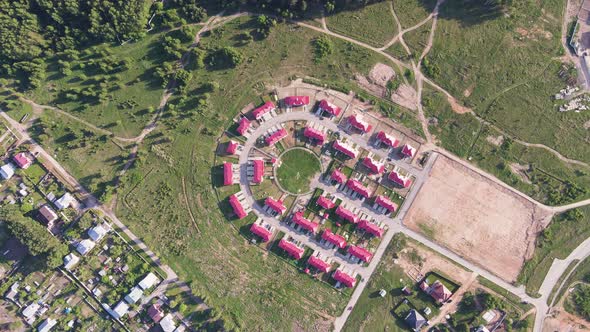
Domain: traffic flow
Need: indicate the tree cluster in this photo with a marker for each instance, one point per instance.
(289, 8)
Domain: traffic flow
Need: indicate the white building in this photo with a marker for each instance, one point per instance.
(120, 310)
(64, 202)
(47, 325)
(70, 260)
(149, 281)
(30, 311)
(7, 171)
(167, 323)
(134, 296)
(97, 233)
(85, 246)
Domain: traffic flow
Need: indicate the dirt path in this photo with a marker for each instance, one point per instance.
(403, 31)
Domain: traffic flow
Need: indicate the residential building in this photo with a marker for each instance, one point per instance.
(47, 325)
(325, 202)
(344, 278)
(305, 223)
(387, 140)
(357, 122)
(7, 171)
(276, 136)
(371, 228)
(70, 260)
(291, 248)
(334, 239)
(167, 323)
(149, 281)
(97, 232)
(415, 321)
(315, 135)
(22, 160)
(243, 126)
(85, 246)
(237, 206)
(408, 151)
(259, 112)
(46, 215)
(360, 253)
(345, 148)
(296, 101)
(134, 295)
(275, 205)
(262, 230)
(346, 214)
(319, 264)
(64, 202)
(329, 109)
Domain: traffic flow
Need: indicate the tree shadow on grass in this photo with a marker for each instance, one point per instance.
(468, 12)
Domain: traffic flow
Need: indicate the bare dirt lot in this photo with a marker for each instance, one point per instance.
(477, 218)
(563, 321)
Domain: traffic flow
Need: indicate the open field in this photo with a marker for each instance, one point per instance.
(297, 168)
(526, 48)
(461, 210)
(249, 288)
(412, 12)
(417, 39)
(373, 24)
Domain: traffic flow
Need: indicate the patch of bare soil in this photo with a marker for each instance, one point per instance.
(458, 108)
(495, 140)
(380, 74)
(469, 90)
(477, 218)
(561, 320)
(587, 124)
(520, 171)
(373, 88)
(405, 96)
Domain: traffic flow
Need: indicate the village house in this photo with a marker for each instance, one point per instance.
(262, 230)
(357, 122)
(22, 160)
(318, 263)
(134, 295)
(328, 109)
(97, 232)
(304, 223)
(276, 136)
(315, 135)
(85, 246)
(408, 151)
(384, 204)
(292, 249)
(7, 171)
(296, 101)
(325, 202)
(371, 228)
(360, 253)
(231, 174)
(345, 148)
(344, 278)
(149, 281)
(237, 203)
(374, 166)
(167, 323)
(47, 216)
(70, 260)
(387, 140)
(261, 112)
(346, 214)
(243, 126)
(155, 312)
(333, 238)
(415, 320)
(64, 202)
(47, 325)
(400, 179)
(274, 207)
(438, 291)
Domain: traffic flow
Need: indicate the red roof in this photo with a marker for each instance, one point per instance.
(402, 180)
(347, 214)
(387, 139)
(345, 148)
(344, 278)
(359, 123)
(359, 252)
(338, 176)
(315, 134)
(232, 147)
(305, 223)
(386, 203)
(439, 292)
(22, 160)
(327, 106)
(334, 239)
(258, 170)
(290, 247)
(408, 150)
(155, 313)
(296, 101)
(358, 187)
(375, 167)
(228, 174)
(243, 126)
(371, 228)
(269, 106)
(276, 136)
(319, 263)
(237, 206)
(259, 230)
(275, 205)
(325, 202)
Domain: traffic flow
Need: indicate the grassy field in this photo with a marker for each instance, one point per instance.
(130, 89)
(250, 288)
(557, 241)
(417, 39)
(412, 12)
(373, 24)
(524, 46)
(297, 168)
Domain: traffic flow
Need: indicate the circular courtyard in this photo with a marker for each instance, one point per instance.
(298, 166)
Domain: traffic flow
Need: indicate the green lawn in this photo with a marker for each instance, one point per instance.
(297, 169)
(557, 241)
(417, 39)
(412, 12)
(373, 24)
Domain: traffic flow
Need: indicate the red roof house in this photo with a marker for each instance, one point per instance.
(314, 134)
(439, 292)
(306, 224)
(334, 239)
(243, 126)
(228, 174)
(345, 148)
(346, 214)
(357, 121)
(232, 147)
(329, 108)
(261, 231)
(275, 205)
(22, 160)
(387, 139)
(408, 151)
(259, 112)
(155, 312)
(338, 176)
(294, 101)
(371, 228)
(374, 166)
(276, 136)
(319, 264)
(386, 203)
(403, 180)
(358, 187)
(237, 206)
(258, 170)
(325, 202)
(290, 247)
(344, 278)
(361, 253)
